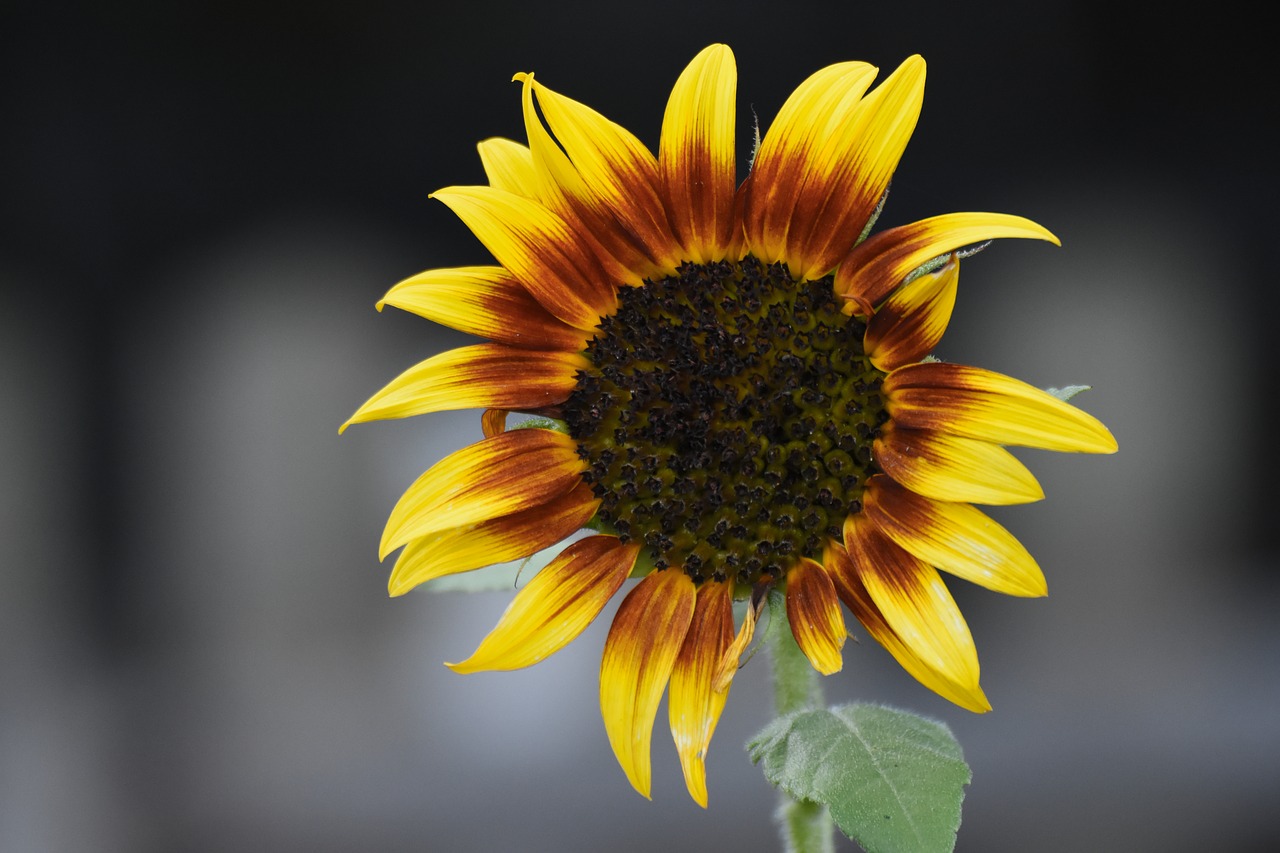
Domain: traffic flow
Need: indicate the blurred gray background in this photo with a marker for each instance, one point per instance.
(199, 205)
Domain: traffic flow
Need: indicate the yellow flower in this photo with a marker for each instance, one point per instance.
(745, 392)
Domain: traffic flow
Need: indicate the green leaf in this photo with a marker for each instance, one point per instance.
(1066, 392)
(501, 576)
(892, 780)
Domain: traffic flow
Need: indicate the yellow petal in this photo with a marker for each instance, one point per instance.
(616, 166)
(556, 606)
(484, 301)
(562, 190)
(853, 171)
(477, 376)
(509, 166)
(789, 154)
(639, 654)
(914, 602)
(989, 406)
(813, 609)
(911, 322)
(556, 176)
(951, 468)
(539, 248)
(955, 537)
(511, 472)
(845, 574)
(729, 661)
(693, 704)
(507, 537)
(698, 157)
(879, 264)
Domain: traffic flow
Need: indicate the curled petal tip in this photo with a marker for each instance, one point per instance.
(1039, 232)
(972, 699)
(914, 63)
(1031, 230)
(975, 700)
(467, 667)
(698, 794)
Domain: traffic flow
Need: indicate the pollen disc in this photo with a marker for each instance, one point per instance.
(726, 419)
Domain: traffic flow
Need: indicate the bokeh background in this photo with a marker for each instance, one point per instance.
(199, 205)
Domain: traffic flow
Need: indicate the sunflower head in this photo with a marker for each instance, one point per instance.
(735, 392)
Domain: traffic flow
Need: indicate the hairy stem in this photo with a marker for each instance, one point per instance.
(806, 826)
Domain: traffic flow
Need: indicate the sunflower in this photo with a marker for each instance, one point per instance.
(735, 394)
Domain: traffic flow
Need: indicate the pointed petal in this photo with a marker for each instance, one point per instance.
(955, 537)
(484, 301)
(496, 540)
(639, 654)
(562, 190)
(539, 248)
(617, 166)
(914, 602)
(814, 613)
(855, 165)
(509, 166)
(789, 154)
(477, 376)
(493, 422)
(845, 574)
(989, 406)
(911, 321)
(556, 606)
(697, 155)
(879, 264)
(951, 468)
(515, 471)
(693, 704)
(557, 178)
(727, 668)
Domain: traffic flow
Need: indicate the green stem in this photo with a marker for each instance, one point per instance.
(806, 826)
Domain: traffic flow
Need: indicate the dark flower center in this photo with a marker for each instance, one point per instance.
(727, 419)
